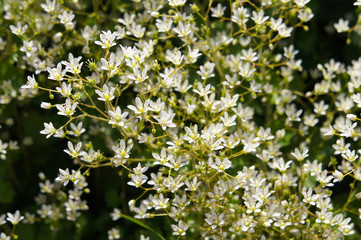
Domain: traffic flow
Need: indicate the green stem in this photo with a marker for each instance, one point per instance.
(142, 225)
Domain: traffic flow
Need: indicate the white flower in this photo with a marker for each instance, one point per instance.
(50, 6)
(309, 198)
(138, 76)
(28, 48)
(117, 117)
(350, 155)
(175, 57)
(64, 176)
(165, 119)
(73, 65)
(206, 71)
(163, 158)
(280, 164)
(116, 214)
(113, 234)
(45, 105)
(122, 151)
(139, 107)
(57, 73)
(107, 39)
(176, 3)
(183, 30)
(137, 181)
(66, 18)
(323, 216)
(144, 238)
(3, 147)
(229, 121)
(4, 237)
(220, 166)
(342, 25)
(74, 152)
(49, 129)
(203, 91)
(192, 186)
(111, 65)
(240, 15)
(107, 94)
(229, 102)
(246, 70)
(19, 29)
(284, 31)
(300, 156)
(179, 229)
(68, 109)
(14, 218)
(2, 219)
(338, 176)
(301, 3)
(164, 24)
(76, 130)
(193, 55)
(259, 17)
(31, 83)
(253, 205)
(65, 89)
(160, 202)
(218, 11)
(249, 145)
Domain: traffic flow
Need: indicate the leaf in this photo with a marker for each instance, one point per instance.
(142, 225)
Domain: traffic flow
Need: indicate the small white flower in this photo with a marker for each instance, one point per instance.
(28, 48)
(49, 129)
(138, 76)
(165, 119)
(2, 219)
(19, 29)
(4, 237)
(64, 176)
(107, 94)
(183, 30)
(140, 107)
(301, 3)
(122, 152)
(107, 39)
(117, 117)
(116, 214)
(113, 234)
(31, 83)
(342, 25)
(74, 152)
(45, 105)
(163, 158)
(57, 73)
(179, 229)
(14, 218)
(176, 3)
(220, 166)
(67, 109)
(73, 65)
(309, 197)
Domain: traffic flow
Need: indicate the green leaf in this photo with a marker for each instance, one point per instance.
(142, 225)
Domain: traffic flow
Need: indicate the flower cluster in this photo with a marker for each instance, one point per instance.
(203, 109)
